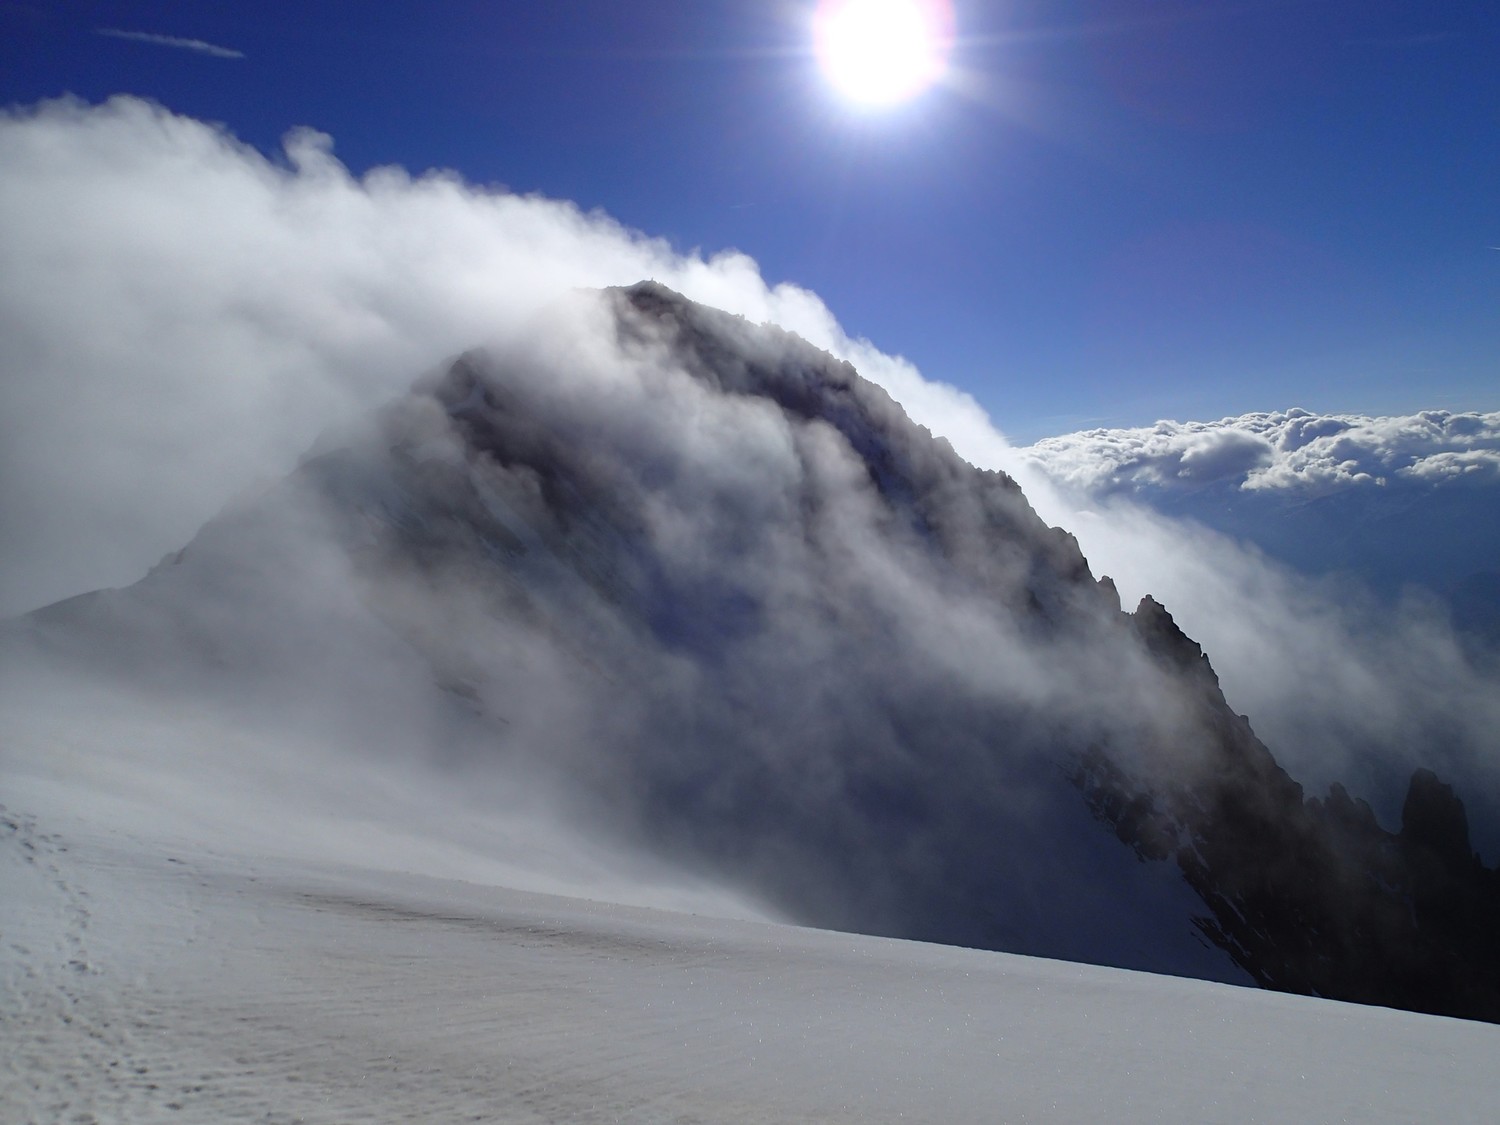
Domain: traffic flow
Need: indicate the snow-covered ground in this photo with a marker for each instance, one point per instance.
(195, 928)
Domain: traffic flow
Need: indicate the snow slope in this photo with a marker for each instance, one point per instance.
(191, 933)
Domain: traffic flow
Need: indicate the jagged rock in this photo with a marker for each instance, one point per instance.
(1314, 896)
(1433, 818)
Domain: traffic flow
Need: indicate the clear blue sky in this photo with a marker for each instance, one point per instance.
(1139, 208)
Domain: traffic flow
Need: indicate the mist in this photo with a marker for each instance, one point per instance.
(181, 316)
(720, 648)
(629, 565)
(1341, 646)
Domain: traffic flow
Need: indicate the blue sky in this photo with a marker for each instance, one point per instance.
(1133, 210)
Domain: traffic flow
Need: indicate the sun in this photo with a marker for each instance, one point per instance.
(881, 52)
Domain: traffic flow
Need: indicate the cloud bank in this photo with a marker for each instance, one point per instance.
(181, 316)
(1291, 449)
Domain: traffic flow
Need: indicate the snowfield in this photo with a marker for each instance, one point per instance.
(190, 934)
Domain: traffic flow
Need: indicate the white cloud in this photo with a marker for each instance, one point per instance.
(1292, 449)
(181, 315)
(198, 46)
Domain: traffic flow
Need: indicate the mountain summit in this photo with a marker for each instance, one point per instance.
(719, 599)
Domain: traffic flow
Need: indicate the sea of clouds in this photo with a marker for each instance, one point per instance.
(1286, 449)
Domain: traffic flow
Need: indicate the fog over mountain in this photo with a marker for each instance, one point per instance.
(710, 589)
(692, 592)
(181, 316)
(1340, 568)
(704, 588)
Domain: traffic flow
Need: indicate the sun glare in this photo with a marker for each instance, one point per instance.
(880, 52)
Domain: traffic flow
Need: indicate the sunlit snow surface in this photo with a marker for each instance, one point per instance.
(194, 934)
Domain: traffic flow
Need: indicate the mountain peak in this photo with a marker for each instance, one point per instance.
(704, 586)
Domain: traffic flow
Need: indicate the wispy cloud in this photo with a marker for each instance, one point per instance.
(195, 45)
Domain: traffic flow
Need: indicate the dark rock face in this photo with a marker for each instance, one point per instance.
(1313, 896)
